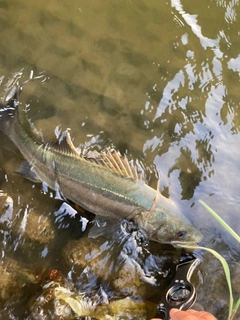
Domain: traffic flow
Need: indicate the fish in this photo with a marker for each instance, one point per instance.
(104, 183)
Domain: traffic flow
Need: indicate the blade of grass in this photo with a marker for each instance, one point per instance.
(226, 270)
(235, 309)
(237, 305)
(221, 221)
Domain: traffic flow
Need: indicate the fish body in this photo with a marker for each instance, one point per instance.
(103, 183)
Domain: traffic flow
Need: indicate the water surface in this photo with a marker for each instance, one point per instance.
(157, 80)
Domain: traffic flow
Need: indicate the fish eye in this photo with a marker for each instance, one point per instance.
(181, 234)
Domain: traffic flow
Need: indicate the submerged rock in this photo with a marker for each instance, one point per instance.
(125, 308)
(132, 281)
(9, 284)
(117, 263)
(39, 228)
(81, 252)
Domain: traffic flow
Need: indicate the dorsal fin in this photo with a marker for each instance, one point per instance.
(63, 145)
(112, 159)
(109, 158)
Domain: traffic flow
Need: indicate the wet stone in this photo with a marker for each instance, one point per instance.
(29, 235)
(130, 282)
(88, 257)
(114, 99)
(130, 309)
(43, 302)
(104, 120)
(81, 252)
(39, 228)
(9, 285)
(128, 70)
(34, 227)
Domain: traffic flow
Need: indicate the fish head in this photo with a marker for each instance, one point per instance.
(166, 224)
(173, 231)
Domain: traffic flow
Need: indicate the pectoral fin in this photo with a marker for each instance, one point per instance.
(26, 170)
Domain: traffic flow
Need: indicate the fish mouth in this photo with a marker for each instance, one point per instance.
(193, 243)
(178, 243)
(184, 241)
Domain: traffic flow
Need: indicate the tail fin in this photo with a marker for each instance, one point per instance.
(9, 112)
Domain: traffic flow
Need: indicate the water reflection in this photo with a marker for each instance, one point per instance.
(194, 108)
(159, 80)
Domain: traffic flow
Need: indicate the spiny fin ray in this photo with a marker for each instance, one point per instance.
(109, 158)
(63, 145)
(112, 159)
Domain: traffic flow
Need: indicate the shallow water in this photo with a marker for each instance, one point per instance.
(157, 80)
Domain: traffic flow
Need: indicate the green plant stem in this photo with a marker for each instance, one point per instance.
(234, 310)
(221, 221)
(237, 305)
